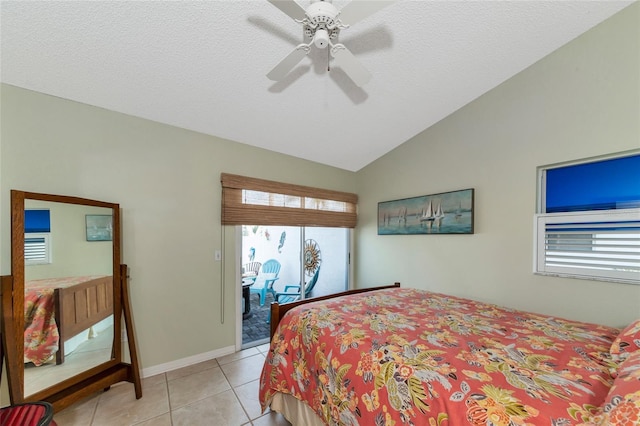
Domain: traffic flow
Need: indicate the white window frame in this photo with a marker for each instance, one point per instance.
(589, 259)
(46, 256)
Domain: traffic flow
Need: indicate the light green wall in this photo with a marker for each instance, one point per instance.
(581, 101)
(167, 182)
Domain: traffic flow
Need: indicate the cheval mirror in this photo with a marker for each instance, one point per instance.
(63, 305)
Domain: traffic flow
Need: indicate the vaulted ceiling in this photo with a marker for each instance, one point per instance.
(202, 65)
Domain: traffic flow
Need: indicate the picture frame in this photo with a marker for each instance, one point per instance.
(444, 213)
(99, 227)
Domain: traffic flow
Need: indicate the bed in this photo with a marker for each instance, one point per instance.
(57, 309)
(398, 356)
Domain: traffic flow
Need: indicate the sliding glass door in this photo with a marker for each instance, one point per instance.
(301, 261)
(332, 248)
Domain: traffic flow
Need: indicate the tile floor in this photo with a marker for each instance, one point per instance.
(220, 392)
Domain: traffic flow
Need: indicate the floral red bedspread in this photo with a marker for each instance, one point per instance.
(411, 357)
(41, 336)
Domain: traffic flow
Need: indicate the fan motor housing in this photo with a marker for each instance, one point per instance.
(322, 12)
(322, 16)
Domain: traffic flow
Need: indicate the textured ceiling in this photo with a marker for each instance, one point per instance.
(202, 65)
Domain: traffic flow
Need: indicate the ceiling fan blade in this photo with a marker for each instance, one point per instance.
(287, 64)
(350, 65)
(290, 7)
(357, 10)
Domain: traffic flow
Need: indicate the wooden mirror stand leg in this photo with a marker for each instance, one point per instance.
(128, 320)
(9, 347)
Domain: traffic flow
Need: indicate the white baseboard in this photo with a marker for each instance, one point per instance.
(185, 362)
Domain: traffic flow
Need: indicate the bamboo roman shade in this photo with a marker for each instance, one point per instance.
(252, 201)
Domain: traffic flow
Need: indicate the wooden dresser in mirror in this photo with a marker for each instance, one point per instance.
(66, 303)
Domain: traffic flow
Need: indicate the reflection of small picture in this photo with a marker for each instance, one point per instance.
(99, 227)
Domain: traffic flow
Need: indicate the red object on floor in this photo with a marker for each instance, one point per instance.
(27, 414)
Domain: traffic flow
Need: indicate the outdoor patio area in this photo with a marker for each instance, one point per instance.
(255, 329)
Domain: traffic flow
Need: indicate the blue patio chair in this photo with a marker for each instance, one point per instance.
(263, 283)
(291, 292)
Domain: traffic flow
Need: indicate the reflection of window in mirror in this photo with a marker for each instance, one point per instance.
(37, 236)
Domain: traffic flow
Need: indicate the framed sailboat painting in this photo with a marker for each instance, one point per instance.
(444, 213)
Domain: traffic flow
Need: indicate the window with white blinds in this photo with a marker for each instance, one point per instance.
(588, 225)
(604, 244)
(37, 236)
(37, 249)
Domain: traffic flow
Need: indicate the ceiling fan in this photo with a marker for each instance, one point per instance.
(322, 23)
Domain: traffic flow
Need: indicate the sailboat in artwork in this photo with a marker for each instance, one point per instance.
(459, 211)
(427, 215)
(402, 216)
(439, 213)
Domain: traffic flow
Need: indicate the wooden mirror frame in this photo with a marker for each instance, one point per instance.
(94, 379)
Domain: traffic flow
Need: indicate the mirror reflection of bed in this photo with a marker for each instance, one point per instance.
(84, 352)
(68, 297)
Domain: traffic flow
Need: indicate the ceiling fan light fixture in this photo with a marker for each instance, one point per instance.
(321, 39)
